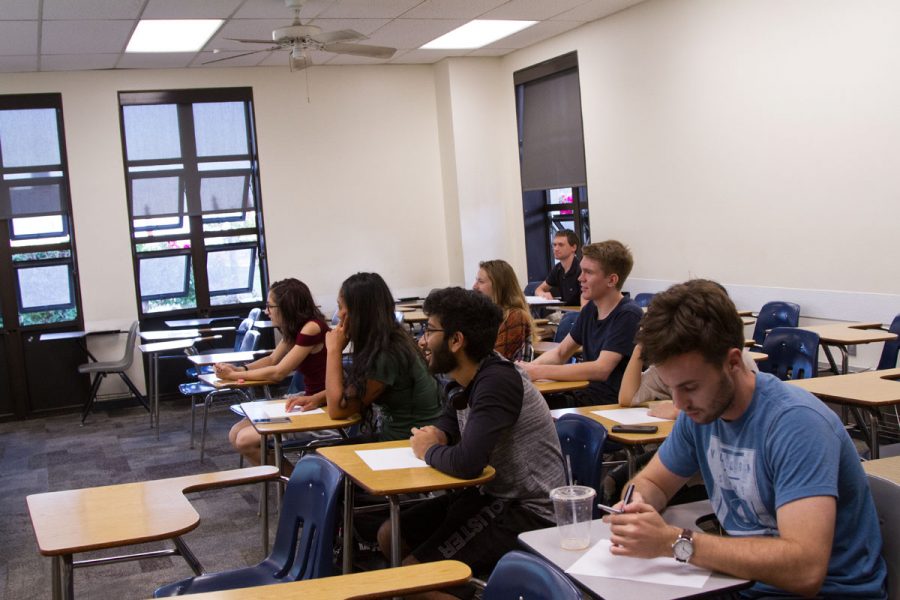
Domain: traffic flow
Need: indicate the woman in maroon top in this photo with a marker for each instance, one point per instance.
(293, 311)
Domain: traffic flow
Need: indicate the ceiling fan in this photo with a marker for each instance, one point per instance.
(300, 39)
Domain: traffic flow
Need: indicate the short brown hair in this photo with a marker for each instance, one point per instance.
(569, 235)
(694, 316)
(614, 258)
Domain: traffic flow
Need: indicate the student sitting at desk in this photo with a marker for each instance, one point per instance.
(782, 474)
(604, 330)
(563, 277)
(497, 280)
(293, 311)
(494, 416)
(387, 381)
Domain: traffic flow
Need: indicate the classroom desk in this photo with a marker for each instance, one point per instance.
(544, 346)
(241, 384)
(545, 542)
(568, 308)
(390, 483)
(842, 335)
(178, 334)
(202, 360)
(262, 324)
(748, 320)
(867, 391)
(404, 309)
(759, 356)
(540, 301)
(72, 521)
(551, 386)
(383, 583)
(78, 335)
(414, 316)
(886, 468)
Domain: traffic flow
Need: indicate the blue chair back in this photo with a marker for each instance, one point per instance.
(582, 439)
(565, 326)
(239, 333)
(522, 575)
(793, 353)
(297, 384)
(398, 316)
(250, 341)
(532, 287)
(643, 299)
(889, 354)
(254, 313)
(775, 314)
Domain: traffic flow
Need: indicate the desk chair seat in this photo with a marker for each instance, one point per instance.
(522, 575)
(582, 439)
(239, 335)
(303, 541)
(643, 299)
(532, 287)
(101, 369)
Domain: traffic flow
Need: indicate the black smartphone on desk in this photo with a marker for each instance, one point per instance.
(635, 429)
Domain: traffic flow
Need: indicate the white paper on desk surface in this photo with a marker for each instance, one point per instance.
(629, 416)
(274, 410)
(599, 562)
(391, 458)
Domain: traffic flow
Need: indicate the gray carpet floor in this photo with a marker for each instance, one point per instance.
(117, 446)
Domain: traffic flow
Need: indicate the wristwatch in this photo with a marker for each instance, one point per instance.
(683, 548)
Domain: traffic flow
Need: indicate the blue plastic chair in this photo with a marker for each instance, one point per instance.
(643, 299)
(304, 540)
(792, 353)
(565, 326)
(891, 349)
(522, 575)
(532, 287)
(775, 314)
(239, 334)
(582, 439)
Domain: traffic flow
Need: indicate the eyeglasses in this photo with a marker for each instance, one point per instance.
(271, 306)
(429, 330)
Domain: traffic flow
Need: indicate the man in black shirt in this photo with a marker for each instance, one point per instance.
(563, 277)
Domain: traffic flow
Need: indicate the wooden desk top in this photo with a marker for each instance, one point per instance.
(404, 309)
(383, 583)
(550, 386)
(211, 379)
(178, 334)
(869, 388)
(568, 308)
(168, 345)
(886, 468)
(665, 427)
(299, 422)
(745, 313)
(759, 356)
(544, 346)
(851, 333)
(414, 316)
(72, 521)
(226, 357)
(535, 301)
(749, 342)
(748, 320)
(395, 481)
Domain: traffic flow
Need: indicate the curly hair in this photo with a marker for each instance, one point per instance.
(472, 314)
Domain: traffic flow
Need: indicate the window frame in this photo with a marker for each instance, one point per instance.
(191, 175)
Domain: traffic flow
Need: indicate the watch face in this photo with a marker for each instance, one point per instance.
(683, 550)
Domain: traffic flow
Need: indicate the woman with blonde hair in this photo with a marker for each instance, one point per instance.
(497, 280)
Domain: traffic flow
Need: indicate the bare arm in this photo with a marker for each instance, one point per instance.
(595, 370)
(341, 404)
(278, 365)
(631, 379)
(543, 290)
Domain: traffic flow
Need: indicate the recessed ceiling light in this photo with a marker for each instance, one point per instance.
(476, 34)
(169, 35)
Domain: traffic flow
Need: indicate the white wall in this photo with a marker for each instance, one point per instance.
(350, 180)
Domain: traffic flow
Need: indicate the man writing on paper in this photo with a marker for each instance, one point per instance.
(782, 474)
(604, 331)
(494, 416)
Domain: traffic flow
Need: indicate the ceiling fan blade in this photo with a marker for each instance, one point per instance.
(360, 50)
(344, 35)
(245, 41)
(215, 60)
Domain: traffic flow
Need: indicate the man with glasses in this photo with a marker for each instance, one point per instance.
(495, 416)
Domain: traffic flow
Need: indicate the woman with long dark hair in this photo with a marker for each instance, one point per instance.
(387, 381)
(293, 311)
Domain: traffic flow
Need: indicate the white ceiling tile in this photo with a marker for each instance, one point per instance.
(189, 9)
(349, 59)
(171, 60)
(595, 9)
(235, 59)
(531, 10)
(369, 9)
(18, 37)
(412, 33)
(452, 9)
(534, 34)
(85, 37)
(92, 9)
(78, 62)
(425, 57)
(18, 64)
(276, 9)
(14, 10)
(364, 26)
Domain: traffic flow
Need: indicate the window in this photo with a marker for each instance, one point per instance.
(193, 199)
(551, 154)
(37, 252)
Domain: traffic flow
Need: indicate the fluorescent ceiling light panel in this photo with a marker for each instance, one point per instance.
(476, 34)
(167, 35)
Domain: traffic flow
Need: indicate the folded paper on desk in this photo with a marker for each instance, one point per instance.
(599, 562)
(628, 416)
(273, 410)
(391, 458)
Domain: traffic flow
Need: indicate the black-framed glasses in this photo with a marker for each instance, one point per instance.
(429, 330)
(271, 306)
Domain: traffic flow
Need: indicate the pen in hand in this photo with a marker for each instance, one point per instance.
(629, 492)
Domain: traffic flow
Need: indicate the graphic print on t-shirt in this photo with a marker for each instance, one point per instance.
(735, 496)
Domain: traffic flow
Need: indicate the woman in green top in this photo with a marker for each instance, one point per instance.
(387, 375)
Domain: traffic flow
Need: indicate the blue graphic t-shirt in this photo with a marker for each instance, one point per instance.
(788, 445)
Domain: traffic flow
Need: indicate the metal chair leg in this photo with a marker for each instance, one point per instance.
(95, 387)
(206, 404)
(193, 406)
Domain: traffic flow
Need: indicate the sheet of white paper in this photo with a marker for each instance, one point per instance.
(391, 458)
(629, 416)
(274, 410)
(599, 562)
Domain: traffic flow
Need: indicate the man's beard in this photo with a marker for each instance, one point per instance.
(442, 360)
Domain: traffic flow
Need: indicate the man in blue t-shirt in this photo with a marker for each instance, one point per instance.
(782, 474)
(604, 330)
